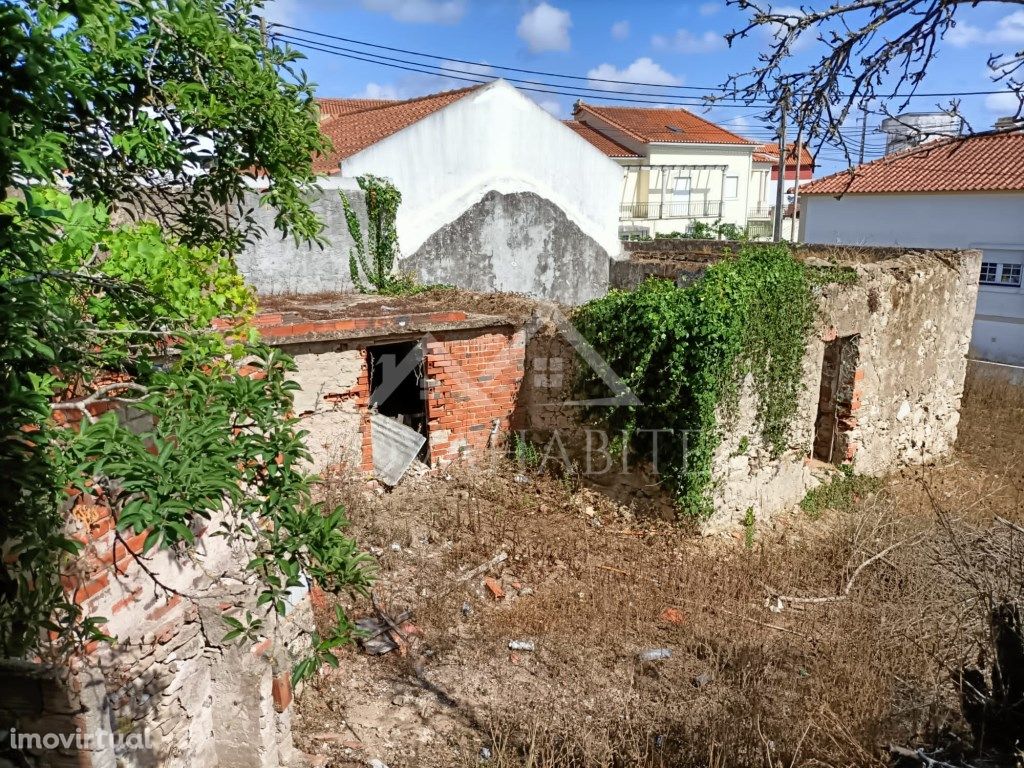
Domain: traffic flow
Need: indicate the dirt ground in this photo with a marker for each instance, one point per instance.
(857, 658)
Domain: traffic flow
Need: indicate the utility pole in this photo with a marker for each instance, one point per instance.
(263, 30)
(793, 234)
(863, 133)
(780, 188)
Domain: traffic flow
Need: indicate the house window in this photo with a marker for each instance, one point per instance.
(1010, 274)
(732, 187)
(994, 273)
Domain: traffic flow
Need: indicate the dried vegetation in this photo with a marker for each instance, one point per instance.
(858, 659)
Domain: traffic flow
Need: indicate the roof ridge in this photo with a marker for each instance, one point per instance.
(399, 102)
(671, 108)
(594, 111)
(629, 152)
(953, 143)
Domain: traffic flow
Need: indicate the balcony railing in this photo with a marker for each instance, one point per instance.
(760, 212)
(688, 209)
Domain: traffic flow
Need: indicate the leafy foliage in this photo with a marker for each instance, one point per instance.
(136, 105)
(685, 353)
(375, 254)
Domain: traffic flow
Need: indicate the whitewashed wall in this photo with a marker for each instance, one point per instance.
(493, 139)
(992, 223)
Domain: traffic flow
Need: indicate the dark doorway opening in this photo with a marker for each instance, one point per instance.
(835, 399)
(398, 386)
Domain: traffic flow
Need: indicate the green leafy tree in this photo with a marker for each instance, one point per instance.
(374, 256)
(164, 112)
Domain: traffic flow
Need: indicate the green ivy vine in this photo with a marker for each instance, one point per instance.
(686, 351)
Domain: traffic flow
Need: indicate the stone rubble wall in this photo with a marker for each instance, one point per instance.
(913, 314)
(167, 686)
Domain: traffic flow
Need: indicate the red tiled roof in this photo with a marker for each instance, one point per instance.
(353, 131)
(344, 106)
(769, 153)
(676, 126)
(599, 140)
(993, 163)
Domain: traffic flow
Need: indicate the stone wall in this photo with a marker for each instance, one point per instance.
(276, 264)
(911, 315)
(517, 242)
(167, 691)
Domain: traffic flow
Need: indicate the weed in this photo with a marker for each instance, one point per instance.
(840, 493)
(749, 526)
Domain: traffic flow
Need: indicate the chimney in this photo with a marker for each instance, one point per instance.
(1009, 123)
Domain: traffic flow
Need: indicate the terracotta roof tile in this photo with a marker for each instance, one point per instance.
(676, 126)
(355, 130)
(344, 106)
(769, 153)
(599, 140)
(993, 163)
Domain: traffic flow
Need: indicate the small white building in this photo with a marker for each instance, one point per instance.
(764, 183)
(678, 168)
(497, 195)
(956, 193)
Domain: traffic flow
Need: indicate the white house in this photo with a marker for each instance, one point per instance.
(956, 193)
(678, 168)
(496, 195)
(764, 182)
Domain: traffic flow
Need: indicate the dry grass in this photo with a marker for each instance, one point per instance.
(829, 683)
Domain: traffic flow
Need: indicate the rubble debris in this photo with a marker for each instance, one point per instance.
(375, 763)
(485, 753)
(655, 654)
(671, 615)
(383, 634)
(704, 678)
(522, 645)
(466, 609)
(494, 587)
(484, 567)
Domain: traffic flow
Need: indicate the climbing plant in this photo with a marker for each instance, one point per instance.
(685, 352)
(374, 255)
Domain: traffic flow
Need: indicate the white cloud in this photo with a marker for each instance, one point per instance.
(684, 41)
(545, 28)
(379, 91)
(709, 9)
(792, 15)
(963, 35)
(413, 85)
(1002, 103)
(643, 70)
(419, 11)
(282, 11)
(551, 106)
(620, 30)
(481, 70)
(1009, 29)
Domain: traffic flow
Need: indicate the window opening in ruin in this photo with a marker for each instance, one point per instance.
(835, 399)
(398, 387)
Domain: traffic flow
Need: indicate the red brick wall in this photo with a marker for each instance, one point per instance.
(473, 383)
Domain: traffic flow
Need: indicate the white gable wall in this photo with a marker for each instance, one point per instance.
(992, 223)
(493, 139)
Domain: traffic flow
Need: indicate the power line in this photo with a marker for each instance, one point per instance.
(706, 89)
(551, 88)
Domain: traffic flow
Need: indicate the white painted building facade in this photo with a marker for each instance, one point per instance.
(990, 221)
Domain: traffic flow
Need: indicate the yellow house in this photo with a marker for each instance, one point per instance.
(678, 168)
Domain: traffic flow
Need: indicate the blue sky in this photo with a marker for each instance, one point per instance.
(663, 43)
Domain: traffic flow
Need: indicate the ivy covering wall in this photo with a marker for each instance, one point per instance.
(686, 351)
